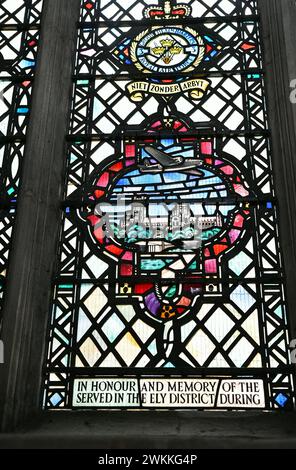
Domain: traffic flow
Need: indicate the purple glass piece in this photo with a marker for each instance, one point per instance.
(152, 303)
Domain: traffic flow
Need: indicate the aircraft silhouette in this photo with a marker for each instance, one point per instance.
(168, 163)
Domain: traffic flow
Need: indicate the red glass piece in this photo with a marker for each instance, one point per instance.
(116, 167)
(100, 235)
(180, 310)
(207, 252)
(219, 249)
(247, 46)
(130, 151)
(115, 250)
(99, 193)
(93, 219)
(179, 12)
(156, 13)
(211, 266)
(239, 189)
(228, 170)
(239, 221)
(104, 180)
(184, 301)
(126, 270)
(142, 288)
(128, 256)
(206, 148)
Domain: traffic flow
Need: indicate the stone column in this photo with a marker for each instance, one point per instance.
(33, 253)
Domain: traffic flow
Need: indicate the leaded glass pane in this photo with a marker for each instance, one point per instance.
(170, 274)
(19, 38)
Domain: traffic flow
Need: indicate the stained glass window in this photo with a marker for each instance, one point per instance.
(169, 288)
(19, 37)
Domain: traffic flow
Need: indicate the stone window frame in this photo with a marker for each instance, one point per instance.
(33, 254)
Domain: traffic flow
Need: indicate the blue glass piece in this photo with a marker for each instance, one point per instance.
(142, 51)
(254, 76)
(22, 110)
(147, 179)
(281, 399)
(171, 186)
(56, 399)
(152, 348)
(134, 173)
(113, 327)
(167, 142)
(152, 265)
(24, 64)
(123, 182)
(172, 177)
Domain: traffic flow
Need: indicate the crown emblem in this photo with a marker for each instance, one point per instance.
(167, 11)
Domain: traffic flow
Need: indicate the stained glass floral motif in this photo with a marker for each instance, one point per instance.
(169, 257)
